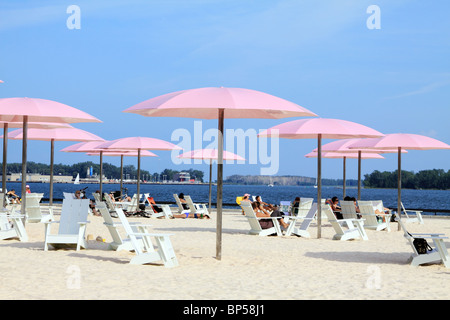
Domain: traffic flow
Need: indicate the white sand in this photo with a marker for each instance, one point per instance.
(252, 267)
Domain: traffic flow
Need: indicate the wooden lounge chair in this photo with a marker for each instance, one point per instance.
(302, 231)
(437, 255)
(72, 225)
(165, 213)
(303, 207)
(11, 225)
(255, 227)
(118, 242)
(148, 254)
(355, 227)
(199, 208)
(180, 205)
(372, 219)
(35, 213)
(411, 215)
(348, 210)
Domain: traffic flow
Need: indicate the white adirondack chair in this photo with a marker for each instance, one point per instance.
(411, 215)
(180, 205)
(367, 210)
(166, 211)
(11, 225)
(118, 242)
(303, 207)
(348, 209)
(355, 227)
(437, 255)
(72, 225)
(302, 231)
(255, 227)
(134, 203)
(199, 208)
(165, 250)
(285, 206)
(34, 211)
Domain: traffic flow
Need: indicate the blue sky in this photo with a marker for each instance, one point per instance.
(318, 54)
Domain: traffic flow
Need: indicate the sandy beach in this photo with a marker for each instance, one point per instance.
(252, 267)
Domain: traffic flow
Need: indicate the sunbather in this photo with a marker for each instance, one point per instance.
(267, 223)
(191, 215)
(265, 205)
(13, 197)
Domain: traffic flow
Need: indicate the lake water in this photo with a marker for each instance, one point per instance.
(428, 199)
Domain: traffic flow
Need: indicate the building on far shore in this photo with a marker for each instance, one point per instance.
(36, 177)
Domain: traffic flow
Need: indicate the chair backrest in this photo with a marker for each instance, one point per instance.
(404, 210)
(73, 211)
(367, 210)
(134, 203)
(69, 195)
(285, 206)
(109, 203)
(332, 219)
(303, 207)
(190, 203)
(309, 217)
(129, 230)
(406, 234)
(97, 197)
(33, 207)
(177, 200)
(251, 215)
(348, 209)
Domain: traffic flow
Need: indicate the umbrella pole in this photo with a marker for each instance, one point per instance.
(24, 167)
(121, 175)
(344, 177)
(319, 186)
(52, 159)
(359, 174)
(5, 147)
(101, 174)
(399, 185)
(210, 177)
(138, 178)
(219, 186)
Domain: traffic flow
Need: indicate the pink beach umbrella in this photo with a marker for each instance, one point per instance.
(56, 134)
(38, 110)
(138, 144)
(211, 154)
(320, 128)
(6, 126)
(1, 81)
(219, 103)
(344, 155)
(400, 141)
(342, 146)
(90, 146)
(121, 154)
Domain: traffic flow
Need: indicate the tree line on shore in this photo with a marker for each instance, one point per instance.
(109, 171)
(425, 179)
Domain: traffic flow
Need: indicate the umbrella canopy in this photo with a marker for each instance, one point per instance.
(400, 141)
(90, 146)
(38, 110)
(138, 144)
(211, 154)
(1, 81)
(344, 156)
(56, 134)
(6, 126)
(121, 154)
(342, 146)
(219, 103)
(320, 128)
(204, 102)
